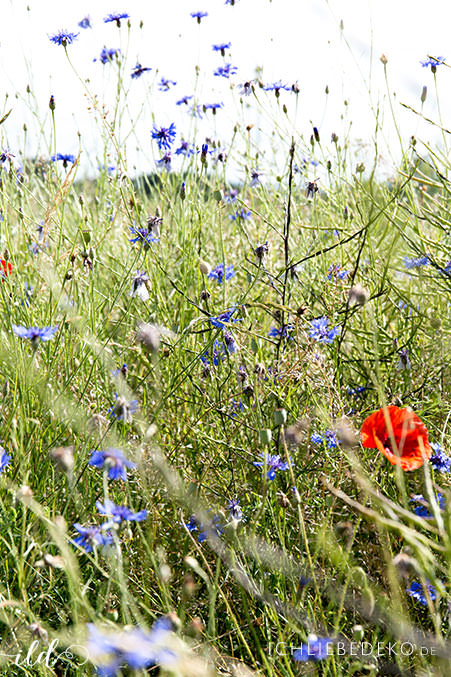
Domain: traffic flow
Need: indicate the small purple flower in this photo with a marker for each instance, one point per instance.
(276, 87)
(316, 649)
(404, 361)
(255, 178)
(230, 343)
(138, 70)
(140, 283)
(221, 273)
(212, 106)
(142, 235)
(85, 22)
(123, 409)
(35, 334)
(199, 16)
(119, 513)
(63, 38)
(433, 62)
(336, 271)
(65, 158)
(91, 536)
(5, 459)
(320, 331)
(185, 148)
(164, 136)
(222, 47)
(439, 460)
(241, 215)
(107, 55)
(213, 528)
(113, 460)
(217, 354)
(117, 18)
(220, 320)
(235, 510)
(417, 592)
(316, 438)
(416, 263)
(277, 332)
(225, 71)
(196, 111)
(165, 161)
(422, 509)
(136, 648)
(246, 88)
(165, 85)
(184, 100)
(272, 463)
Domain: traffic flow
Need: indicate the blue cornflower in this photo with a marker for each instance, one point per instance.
(416, 263)
(235, 510)
(107, 55)
(276, 87)
(91, 536)
(416, 591)
(230, 343)
(164, 85)
(433, 62)
(142, 235)
(138, 70)
(221, 273)
(277, 332)
(199, 16)
(85, 22)
(119, 513)
(225, 71)
(422, 508)
(212, 106)
(63, 38)
(184, 100)
(136, 648)
(185, 148)
(316, 649)
(120, 371)
(217, 356)
(241, 215)
(122, 409)
(338, 272)
(230, 2)
(65, 158)
(273, 463)
(5, 459)
(139, 285)
(220, 320)
(35, 334)
(196, 111)
(439, 460)
(320, 331)
(447, 269)
(331, 439)
(116, 17)
(316, 438)
(231, 195)
(222, 47)
(214, 527)
(113, 460)
(165, 161)
(255, 178)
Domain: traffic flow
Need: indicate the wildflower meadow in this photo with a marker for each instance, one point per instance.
(224, 372)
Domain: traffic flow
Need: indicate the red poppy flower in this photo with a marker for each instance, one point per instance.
(399, 434)
(7, 268)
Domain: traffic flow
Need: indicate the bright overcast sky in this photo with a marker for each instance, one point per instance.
(291, 40)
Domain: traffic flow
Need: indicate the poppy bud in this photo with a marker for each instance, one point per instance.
(265, 436)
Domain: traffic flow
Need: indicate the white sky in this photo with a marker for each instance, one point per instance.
(291, 40)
